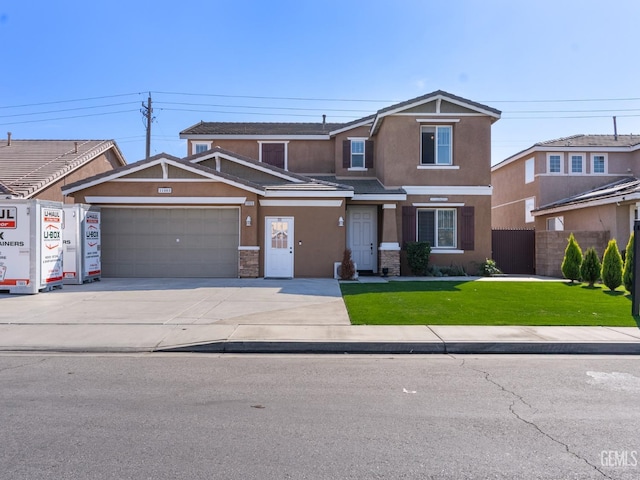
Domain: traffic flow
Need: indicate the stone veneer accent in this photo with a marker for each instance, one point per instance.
(390, 259)
(249, 263)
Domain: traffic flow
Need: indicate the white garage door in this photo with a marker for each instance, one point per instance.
(170, 242)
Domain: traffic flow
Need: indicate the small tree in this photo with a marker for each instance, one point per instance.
(347, 268)
(572, 260)
(627, 273)
(590, 268)
(612, 266)
(418, 257)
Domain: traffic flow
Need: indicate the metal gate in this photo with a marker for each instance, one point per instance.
(514, 250)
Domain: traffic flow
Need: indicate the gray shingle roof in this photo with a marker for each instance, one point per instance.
(582, 140)
(365, 186)
(260, 128)
(28, 166)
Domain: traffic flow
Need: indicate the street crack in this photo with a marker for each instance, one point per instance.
(487, 377)
(22, 365)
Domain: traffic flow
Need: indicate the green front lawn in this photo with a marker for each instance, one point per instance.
(486, 303)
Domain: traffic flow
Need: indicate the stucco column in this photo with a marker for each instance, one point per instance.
(389, 250)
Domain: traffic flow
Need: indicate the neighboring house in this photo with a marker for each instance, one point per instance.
(286, 199)
(583, 184)
(40, 168)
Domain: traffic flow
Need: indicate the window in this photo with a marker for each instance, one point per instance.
(576, 162)
(554, 163)
(555, 224)
(529, 206)
(436, 145)
(357, 153)
(438, 227)
(529, 170)
(201, 147)
(599, 163)
(274, 153)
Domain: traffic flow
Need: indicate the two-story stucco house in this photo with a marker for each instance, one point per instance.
(583, 184)
(286, 199)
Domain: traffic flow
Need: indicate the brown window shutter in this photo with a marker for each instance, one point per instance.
(346, 153)
(467, 228)
(368, 154)
(408, 225)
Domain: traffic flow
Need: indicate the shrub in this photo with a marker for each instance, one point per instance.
(627, 273)
(572, 260)
(418, 257)
(347, 268)
(488, 268)
(612, 266)
(590, 268)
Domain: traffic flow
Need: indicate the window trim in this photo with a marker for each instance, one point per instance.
(605, 156)
(554, 154)
(438, 248)
(529, 162)
(436, 164)
(528, 217)
(286, 150)
(195, 145)
(362, 140)
(584, 163)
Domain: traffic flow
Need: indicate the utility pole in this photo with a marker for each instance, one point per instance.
(147, 112)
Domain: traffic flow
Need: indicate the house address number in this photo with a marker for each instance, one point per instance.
(164, 189)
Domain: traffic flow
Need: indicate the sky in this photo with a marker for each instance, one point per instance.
(82, 69)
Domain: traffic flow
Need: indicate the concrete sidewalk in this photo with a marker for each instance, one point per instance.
(256, 316)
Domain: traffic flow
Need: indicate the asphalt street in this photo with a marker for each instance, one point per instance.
(161, 416)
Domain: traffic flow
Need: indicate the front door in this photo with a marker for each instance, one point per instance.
(362, 230)
(278, 260)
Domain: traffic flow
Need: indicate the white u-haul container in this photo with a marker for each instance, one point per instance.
(30, 245)
(81, 240)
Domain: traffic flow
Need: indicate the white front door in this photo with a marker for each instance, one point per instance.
(362, 230)
(278, 259)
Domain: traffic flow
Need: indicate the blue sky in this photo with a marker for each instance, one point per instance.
(554, 68)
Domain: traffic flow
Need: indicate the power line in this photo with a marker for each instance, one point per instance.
(249, 113)
(68, 118)
(69, 101)
(309, 99)
(65, 110)
(265, 108)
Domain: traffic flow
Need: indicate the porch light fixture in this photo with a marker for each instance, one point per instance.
(341, 222)
(248, 221)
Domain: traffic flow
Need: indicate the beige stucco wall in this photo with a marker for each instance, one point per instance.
(318, 240)
(303, 156)
(102, 163)
(470, 258)
(398, 147)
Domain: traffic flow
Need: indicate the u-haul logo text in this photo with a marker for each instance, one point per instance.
(8, 217)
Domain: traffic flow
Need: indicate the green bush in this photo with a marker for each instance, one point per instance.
(418, 257)
(627, 273)
(590, 268)
(612, 266)
(572, 260)
(488, 268)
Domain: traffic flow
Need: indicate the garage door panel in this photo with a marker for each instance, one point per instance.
(168, 242)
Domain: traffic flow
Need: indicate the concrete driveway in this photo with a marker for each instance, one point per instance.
(121, 301)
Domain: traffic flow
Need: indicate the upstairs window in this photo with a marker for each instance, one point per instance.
(201, 147)
(274, 153)
(436, 145)
(599, 163)
(357, 153)
(577, 163)
(554, 163)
